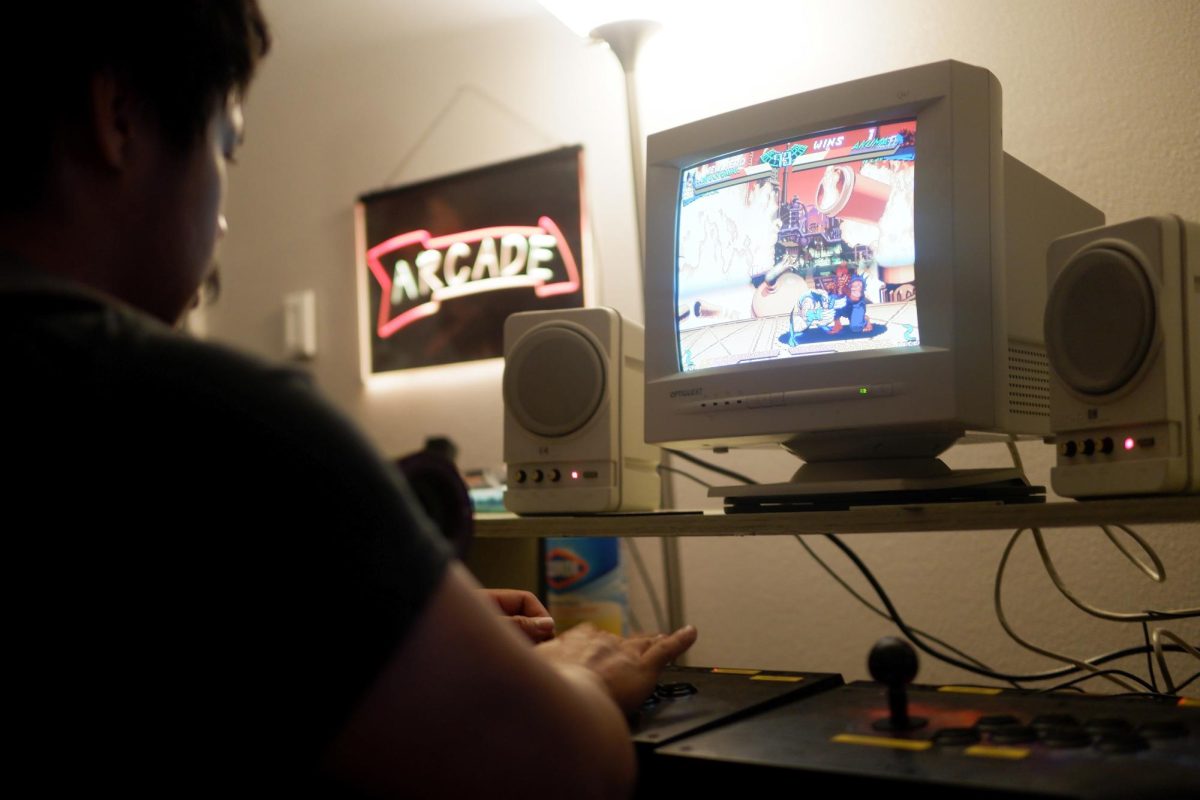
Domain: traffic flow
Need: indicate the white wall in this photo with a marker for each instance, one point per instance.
(1100, 96)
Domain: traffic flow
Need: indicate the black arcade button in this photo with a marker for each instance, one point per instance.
(1064, 737)
(1163, 730)
(1014, 734)
(1107, 725)
(681, 689)
(1055, 721)
(1121, 743)
(956, 737)
(995, 721)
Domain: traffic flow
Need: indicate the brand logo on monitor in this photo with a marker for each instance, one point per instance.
(417, 272)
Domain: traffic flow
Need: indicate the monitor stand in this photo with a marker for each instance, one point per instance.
(843, 484)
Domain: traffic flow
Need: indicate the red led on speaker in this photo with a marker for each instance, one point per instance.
(1130, 443)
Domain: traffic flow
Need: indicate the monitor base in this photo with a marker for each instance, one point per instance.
(840, 485)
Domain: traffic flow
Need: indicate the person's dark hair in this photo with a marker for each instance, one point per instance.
(180, 56)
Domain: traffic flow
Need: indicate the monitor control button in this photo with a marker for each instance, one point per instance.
(1070, 448)
(1106, 445)
(538, 476)
(521, 476)
(555, 475)
(765, 400)
(1089, 447)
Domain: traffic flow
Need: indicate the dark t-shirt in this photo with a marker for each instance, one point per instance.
(206, 565)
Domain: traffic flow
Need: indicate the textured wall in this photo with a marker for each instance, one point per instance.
(1100, 96)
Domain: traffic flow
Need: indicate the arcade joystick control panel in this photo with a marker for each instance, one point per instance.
(968, 741)
(688, 700)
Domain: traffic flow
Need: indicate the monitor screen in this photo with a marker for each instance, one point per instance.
(798, 248)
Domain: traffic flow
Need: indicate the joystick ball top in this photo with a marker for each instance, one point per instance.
(892, 661)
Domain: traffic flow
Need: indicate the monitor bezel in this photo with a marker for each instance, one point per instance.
(958, 220)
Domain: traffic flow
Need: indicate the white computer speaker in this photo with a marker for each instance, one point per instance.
(1122, 331)
(573, 414)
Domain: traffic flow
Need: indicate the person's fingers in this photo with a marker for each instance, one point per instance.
(531, 606)
(506, 599)
(584, 634)
(518, 601)
(538, 629)
(665, 650)
(588, 630)
(640, 644)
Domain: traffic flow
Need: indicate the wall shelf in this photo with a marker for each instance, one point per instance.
(882, 519)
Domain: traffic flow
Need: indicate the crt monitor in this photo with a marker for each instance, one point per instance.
(856, 273)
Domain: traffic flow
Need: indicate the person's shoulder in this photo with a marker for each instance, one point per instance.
(222, 390)
(156, 356)
(79, 356)
(64, 331)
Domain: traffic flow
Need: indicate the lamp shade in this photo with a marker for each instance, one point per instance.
(585, 16)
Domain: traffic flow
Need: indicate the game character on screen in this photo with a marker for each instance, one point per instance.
(817, 310)
(843, 279)
(828, 302)
(855, 309)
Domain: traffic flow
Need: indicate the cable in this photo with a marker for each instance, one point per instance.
(1186, 683)
(1016, 454)
(1088, 664)
(1037, 534)
(841, 581)
(1157, 573)
(1156, 639)
(728, 473)
(999, 606)
(1060, 672)
(1104, 673)
(634, 623)
(832, 573)
(895, 615)
(1114, 616)
(1149, 659)
(664, 468)
(655, 605)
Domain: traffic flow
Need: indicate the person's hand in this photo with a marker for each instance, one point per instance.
(525, 611)
(629, 667)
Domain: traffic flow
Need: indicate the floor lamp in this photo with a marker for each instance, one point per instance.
(625, 38)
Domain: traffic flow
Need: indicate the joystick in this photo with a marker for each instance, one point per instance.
(894, 662)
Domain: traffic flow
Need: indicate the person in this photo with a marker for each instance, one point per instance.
(214, 582)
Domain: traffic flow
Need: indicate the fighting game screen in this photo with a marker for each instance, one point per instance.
(799, 248)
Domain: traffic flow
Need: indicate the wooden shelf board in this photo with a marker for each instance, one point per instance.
(881, 519)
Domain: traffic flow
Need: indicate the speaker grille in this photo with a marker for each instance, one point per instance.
(1028, 380)
(554, 380)
(1100, 320)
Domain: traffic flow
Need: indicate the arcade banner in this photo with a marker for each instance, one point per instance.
(449, 259)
